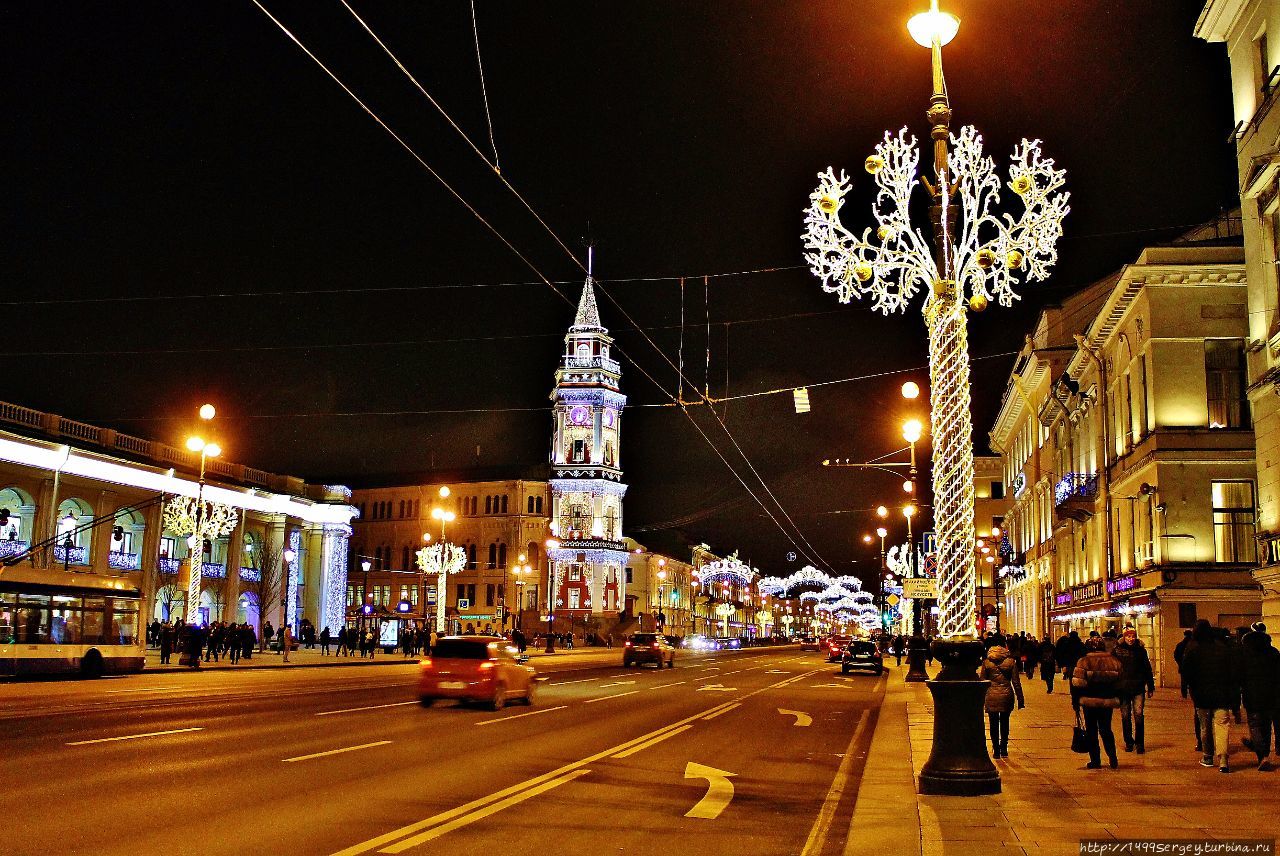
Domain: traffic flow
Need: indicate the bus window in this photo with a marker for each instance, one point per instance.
(6, 618)
(64, 620)
(93, 626)
(124, 622)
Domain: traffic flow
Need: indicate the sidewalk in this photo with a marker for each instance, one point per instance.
(1049, 801)
(311, 658)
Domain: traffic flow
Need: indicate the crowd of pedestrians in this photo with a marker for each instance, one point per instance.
(1221, 673)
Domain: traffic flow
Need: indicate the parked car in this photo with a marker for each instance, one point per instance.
(835, 647)
(810, 643)
(648, 648)
(861, 655)
(476, 669)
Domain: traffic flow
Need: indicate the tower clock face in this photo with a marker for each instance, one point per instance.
(578, 415)
(608, 419)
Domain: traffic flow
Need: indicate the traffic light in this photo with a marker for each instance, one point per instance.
(117, 533)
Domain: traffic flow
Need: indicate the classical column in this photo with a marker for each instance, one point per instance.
(149, 557)
(311, 573)
(46, 510)
(270, 611)
(235, 557)
(100, 543)
(333, 578)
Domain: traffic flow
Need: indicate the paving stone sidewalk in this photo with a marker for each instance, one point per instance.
(1049, 802)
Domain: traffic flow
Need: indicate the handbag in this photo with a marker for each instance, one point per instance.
(1079, 740)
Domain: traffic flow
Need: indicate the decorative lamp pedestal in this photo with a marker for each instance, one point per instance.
(917, 653)
(959, 764)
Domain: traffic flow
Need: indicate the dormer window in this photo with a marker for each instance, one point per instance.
(584, 350)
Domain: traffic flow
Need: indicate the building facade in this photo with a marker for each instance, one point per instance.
(96, 497)
(1250, 29)
(502, 524)
(1129, 450)
(990, 505)
(659, 591)
(587, 566)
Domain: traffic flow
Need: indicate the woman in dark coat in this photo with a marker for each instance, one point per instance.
(1048, 665)
(1001, 669)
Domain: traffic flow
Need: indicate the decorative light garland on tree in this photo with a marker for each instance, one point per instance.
(986, 256)
(200, 521)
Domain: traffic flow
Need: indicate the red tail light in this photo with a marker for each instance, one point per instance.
(628, 645)
(655, 645)
(487, 664)
(426, 662)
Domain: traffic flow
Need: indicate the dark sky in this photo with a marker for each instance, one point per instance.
(156, 154)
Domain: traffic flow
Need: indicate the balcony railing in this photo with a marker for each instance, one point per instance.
(1075, 486)
(252, 575)
(212, 570)
(603, 363)
(12, 548)
(123, 561)
(167, 565)
(71, 555)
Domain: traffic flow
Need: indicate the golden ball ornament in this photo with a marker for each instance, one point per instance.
(828, 204)
(1021, 184)
(977, 302)
(874, 164)
(986, 259)
(863, 271)
(886, 233)
(1014, 259)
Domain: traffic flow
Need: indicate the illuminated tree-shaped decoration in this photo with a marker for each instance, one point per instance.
(724, 610)
(980, 255)
(441, 559)
(200, 521)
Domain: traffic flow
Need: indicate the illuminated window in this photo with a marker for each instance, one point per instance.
(1224, 370)
(1233, 521)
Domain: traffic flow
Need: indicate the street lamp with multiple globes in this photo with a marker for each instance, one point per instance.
(440, 559)
(660, 618)
(976, 254)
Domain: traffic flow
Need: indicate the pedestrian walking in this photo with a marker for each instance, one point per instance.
(1260, 691)
(324, 640)
(1067, 653)
(1048, 665)
(899, 647)
(1212, 675)
(1030, 654)
(1179, 652)
(1001, 669)
(1137, 684)
(167, 636)
(1093, 688)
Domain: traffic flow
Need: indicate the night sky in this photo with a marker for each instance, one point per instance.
(193, 211)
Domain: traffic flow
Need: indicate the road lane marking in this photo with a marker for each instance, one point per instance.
(803, 720)
(777, 671)
(822, 825)
(664, 686)
(482, 813)
(824, 686)
(395, 834)
(144, 690)
(719, 790)
(578, 681)
(627, 753)
(335, 751)
(713, 715)
(715, 688)
(520, 715)
(386, 838)
(369, 707)
(604, 698)
(135, 736)
(618, 684)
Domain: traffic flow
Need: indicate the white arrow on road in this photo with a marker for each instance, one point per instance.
(719, 790)
(716, 688)
(802, 719)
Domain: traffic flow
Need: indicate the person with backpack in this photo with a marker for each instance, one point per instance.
(1260, 691)
(1094, 689)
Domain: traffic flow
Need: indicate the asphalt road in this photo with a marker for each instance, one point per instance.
(758, 751)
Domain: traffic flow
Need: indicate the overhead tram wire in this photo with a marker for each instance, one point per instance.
(484, 89)
(816, 557)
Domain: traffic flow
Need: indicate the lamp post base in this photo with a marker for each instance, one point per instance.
(917, 653)
(959, 764)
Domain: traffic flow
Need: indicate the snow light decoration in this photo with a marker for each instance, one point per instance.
(441, 559)
(729, 569)
(201, 521)
(980, 255)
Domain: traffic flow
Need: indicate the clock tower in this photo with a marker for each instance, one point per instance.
(586, 472)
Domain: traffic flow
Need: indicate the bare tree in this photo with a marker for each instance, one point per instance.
(167, 591)
(218, 589)
(268, 565)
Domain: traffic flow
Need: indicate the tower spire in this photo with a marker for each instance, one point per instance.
(588, 317)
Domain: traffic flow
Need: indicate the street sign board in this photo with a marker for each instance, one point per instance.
(431, 595)
(893, 600)
(464, 603)
(919, 588)
(501, 612)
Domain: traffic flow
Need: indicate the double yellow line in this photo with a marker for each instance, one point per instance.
(422, 831)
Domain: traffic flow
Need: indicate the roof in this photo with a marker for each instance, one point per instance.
(539, 472)
(588, 317)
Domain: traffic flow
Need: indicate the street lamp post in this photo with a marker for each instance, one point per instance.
(968, 263)
(659, 617)
(552, 544)
(441, 559)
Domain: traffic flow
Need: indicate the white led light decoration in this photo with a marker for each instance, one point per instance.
(201, 521)
(983, 255)
(441, 559)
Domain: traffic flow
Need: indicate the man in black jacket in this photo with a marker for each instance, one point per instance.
(1260, 688)
(1212, 673)
(1137, 683)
